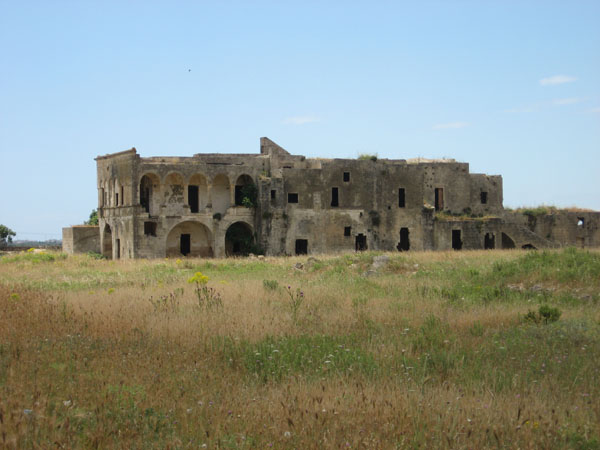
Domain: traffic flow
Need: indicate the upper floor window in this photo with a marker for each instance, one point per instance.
(292, 197)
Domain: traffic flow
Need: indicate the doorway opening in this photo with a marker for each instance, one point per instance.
(489, 241)
(456, 240)
(301, 246)
(185, 244)
(360, 242)
(404, 244)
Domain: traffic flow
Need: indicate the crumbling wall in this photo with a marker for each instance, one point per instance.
(81, 239)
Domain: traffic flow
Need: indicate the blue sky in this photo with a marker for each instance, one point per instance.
(512, 87)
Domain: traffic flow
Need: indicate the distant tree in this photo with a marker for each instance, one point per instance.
(6, 235)
(93, 218)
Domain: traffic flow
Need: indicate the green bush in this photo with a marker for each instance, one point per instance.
(546, 314)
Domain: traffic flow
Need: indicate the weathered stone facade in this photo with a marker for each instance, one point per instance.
(217, 205)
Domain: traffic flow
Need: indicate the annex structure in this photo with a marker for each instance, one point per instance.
(281, 204)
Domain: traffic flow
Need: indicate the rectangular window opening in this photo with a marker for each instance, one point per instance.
(193, 198)
(346, 176)
(580, 222)
(483, 198)
(301, 246)
(335, 197)
(273, 194)
(122, 196)
(401, 198)
(118, 249)
(456, 240)
(347, 231)
(150, 228)
(439, 199)
(292, 197)
(116, 199)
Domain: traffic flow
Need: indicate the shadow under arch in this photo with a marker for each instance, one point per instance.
(107, 242)
(507, 241)
(149, 187)
(245, 188)
(239, 239)
(189, 238)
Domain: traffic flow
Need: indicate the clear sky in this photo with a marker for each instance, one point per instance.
(511, 87)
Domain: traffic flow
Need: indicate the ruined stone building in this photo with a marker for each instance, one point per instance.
(282, 204)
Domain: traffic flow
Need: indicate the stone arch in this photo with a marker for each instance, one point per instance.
(220, 194)
(242, 191)
(528, 247)
(149, 189)
(239, 239)
(197, 192)
(507, 241)
(107, 242)
(189, 238)
(174, 187)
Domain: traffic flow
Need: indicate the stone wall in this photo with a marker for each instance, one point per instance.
(81, 239)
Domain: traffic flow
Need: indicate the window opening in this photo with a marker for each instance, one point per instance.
(334, 197)
(346, 176)
(122, 197)
(580, 222)
(483, 198)
(439, 199)
(101, 196)
(489, 241)
(347, 231)
(456, 240)
(118, 245)
(360, 243)
(116, 199)
(404, 244)
(150, 228)
(301, 246)
(401, 198)
(193, 198)
(273, 194)
(185, 244)
(292, 197)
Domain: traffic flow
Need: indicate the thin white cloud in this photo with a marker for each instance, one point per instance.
(300, 120)
(595, 110)
(450, 126)
(566, 101)
(557, 79)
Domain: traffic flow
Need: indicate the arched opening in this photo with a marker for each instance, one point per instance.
(246, 192)
(107, 242)
(220, 194)
(148, 189)
(239, 239)
(529, 247)
(189, 239)
(507, 241)
(197, 193)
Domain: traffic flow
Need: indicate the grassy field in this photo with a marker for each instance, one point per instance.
(496, 349)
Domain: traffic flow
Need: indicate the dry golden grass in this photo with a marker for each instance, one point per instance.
(431, 351)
